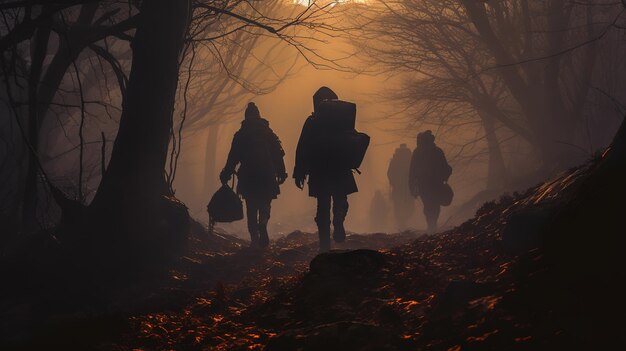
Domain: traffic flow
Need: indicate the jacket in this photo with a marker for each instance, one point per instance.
(260, 153)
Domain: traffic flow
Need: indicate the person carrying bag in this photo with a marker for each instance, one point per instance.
(225, 206)
(260, 155)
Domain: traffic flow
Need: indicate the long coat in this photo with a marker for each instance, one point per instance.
(323, 180)
(261, 155)
(429, 170)
(398, 175)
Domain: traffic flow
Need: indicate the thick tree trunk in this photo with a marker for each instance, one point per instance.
(497, 174)
(559, 129)
(29, 202)
(210, 161)
(130, 199)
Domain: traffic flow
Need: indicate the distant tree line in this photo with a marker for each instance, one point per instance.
(497, 77)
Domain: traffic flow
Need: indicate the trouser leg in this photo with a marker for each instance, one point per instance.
(431, 211)
(340, 210)
(252, 210)
(265, 207)
(322, 218)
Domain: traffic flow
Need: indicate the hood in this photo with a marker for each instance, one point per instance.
(425, 139)
(323, 93)
(252, 111)
(254, 123)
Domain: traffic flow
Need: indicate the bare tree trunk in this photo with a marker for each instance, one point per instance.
(40, 95)
(557, 126)
(29, 202)
(210, 160)
(497, 174)
(132, 197)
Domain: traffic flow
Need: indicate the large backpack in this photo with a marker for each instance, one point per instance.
(336, 115)
(258, 153)
(339, 144)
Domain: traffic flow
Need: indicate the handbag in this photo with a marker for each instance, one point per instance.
(225, 206)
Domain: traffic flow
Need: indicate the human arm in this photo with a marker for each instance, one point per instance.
(390, 172)
(279, 159)
(234, 157)
(445, 170)
(302, 162)
(413, 169)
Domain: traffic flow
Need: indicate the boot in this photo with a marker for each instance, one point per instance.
(324, 236)
(264, 240)
(339, 233)
(431, 225)
(254, 240)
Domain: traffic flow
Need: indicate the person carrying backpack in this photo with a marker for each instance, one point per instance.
(262, 170)
(428, 177)
(325, 154)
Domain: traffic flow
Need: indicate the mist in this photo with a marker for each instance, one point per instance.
(363, 64)
(120, 122)
(286, 108)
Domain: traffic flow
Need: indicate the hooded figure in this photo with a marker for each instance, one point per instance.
(262, 170)
(398, 175)
(328, 185)
(428, 172)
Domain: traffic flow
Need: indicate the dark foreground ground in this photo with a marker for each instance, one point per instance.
(484, 285)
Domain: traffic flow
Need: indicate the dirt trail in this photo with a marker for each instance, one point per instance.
(475, 287)
(485, 285)
(224, 288)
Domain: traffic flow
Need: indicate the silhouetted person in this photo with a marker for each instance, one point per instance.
(379, 210)
(262, 170)
(429, 171)
(398, 175)
(328, 183)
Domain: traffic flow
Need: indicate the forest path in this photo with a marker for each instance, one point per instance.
(477, 286)
(219, 286)
(217, 279)
(380, 286)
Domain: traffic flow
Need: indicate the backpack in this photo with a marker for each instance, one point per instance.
(258, 156)
(225, 206)
(339, 144)
(336, 115)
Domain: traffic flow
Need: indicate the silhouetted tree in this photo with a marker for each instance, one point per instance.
(226, 75)
(134, 189)
(520, 70)
(63, 33)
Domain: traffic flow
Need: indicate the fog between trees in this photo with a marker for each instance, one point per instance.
(514, 91)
